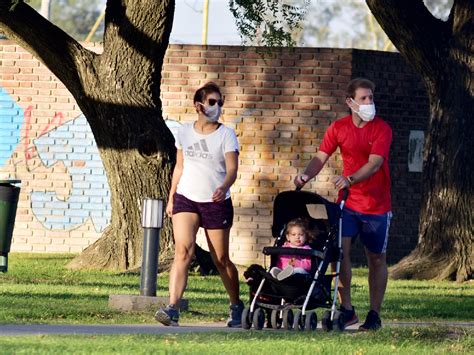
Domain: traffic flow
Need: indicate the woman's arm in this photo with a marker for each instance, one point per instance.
(231, 166)
(177, 172)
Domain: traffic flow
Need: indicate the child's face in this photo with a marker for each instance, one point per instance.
(296, 236)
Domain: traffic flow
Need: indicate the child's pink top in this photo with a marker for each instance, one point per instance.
(303, 262)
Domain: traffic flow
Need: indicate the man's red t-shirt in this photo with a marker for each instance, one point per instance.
(371, 196)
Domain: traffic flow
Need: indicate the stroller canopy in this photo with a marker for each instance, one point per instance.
(289, 205)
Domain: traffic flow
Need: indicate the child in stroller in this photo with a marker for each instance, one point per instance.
(297, 236)
(291, 302)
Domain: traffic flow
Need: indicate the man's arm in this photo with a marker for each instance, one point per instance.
(365, 171)
(313, 169)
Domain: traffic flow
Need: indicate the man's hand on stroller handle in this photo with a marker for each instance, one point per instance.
(300, 180)
(341, 182)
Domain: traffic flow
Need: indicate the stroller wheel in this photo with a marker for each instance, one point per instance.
(258, 319)
(339, 321)
(326, 321)
(246, 323)
(288, 319)
(298, 321)
(276, 319)
(311, 321)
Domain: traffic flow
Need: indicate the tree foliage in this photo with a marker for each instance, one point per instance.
(270, 23)
(76, 17)
(343, 25)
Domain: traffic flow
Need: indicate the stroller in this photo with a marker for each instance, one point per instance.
(291, 303)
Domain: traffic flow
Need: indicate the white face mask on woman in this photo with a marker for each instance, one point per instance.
(213, 112)
(366, 112)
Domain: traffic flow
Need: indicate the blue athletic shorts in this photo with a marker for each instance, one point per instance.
(371, 228)
(213, 215)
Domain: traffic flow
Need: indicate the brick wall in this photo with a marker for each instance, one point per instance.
(402, 101)
(279, 103)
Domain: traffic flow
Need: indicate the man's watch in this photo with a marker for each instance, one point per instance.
(351, 180)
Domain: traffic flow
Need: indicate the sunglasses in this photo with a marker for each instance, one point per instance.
(212, 102)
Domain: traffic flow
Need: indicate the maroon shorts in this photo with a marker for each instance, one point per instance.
(213, 215)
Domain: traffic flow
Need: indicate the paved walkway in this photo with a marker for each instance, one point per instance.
(50, 329)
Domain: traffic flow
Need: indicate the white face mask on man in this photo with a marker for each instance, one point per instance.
(213, 112)
(366, 112)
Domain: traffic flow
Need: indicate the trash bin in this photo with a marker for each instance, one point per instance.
(9, 194)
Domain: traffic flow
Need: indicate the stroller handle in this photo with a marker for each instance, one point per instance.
(345, 194)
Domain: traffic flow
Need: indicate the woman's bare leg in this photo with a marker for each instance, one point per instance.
(185, 227)
(218, 241)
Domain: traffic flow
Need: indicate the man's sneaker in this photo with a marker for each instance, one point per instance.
(372, 322)
(350, 316)
(285, 273)
(168, 315)
(235, 316)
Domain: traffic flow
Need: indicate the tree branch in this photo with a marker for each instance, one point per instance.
(62, 54)
(415, 32)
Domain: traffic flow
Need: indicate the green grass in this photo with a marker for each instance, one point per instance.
(39, 289)
(388, 340)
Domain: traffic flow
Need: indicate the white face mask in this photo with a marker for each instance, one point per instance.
(366, 112)
(212, 113)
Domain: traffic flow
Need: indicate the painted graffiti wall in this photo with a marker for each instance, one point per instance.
(47, 144)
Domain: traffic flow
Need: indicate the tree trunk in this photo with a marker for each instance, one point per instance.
(442, 53)
(136, 147)
(119, 93)
(445, 247)
(140, 169)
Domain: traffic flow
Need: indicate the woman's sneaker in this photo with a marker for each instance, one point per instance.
(372, 322)
(168, 315)
(350, 316)
(235, 316)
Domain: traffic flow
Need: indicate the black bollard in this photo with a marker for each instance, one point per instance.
(9, 195)
(152, 220)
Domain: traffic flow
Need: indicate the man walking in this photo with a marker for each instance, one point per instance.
(364, 141)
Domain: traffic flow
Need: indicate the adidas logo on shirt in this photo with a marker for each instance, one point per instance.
(198, 150)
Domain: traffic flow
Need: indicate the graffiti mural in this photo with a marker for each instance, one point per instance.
(73, 145)
(70, 145)
(11, 120)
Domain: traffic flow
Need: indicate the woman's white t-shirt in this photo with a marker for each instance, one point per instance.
(204, 160)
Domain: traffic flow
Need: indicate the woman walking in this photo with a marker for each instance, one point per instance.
(206, 168)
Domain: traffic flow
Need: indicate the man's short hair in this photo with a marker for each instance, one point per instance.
(357, 83)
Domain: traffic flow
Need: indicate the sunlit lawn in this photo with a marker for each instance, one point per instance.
(387, 341)
(39, 289)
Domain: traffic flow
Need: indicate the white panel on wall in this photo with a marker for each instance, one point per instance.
(415, 151)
